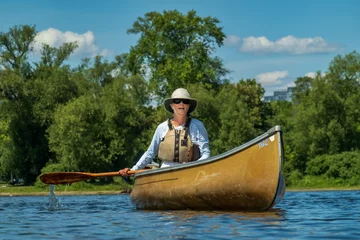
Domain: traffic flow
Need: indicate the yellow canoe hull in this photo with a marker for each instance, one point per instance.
(247, 178)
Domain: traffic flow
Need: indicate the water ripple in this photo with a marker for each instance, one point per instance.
(300, 215)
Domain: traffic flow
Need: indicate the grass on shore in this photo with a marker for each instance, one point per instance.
(118, 186)
(323, 183)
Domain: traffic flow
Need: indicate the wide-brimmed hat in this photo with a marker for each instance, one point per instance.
(180, 93)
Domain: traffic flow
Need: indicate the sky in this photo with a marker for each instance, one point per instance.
(274, 41)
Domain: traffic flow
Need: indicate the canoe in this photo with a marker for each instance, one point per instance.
(246, 178)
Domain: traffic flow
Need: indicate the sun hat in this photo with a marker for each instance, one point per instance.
(180, 93)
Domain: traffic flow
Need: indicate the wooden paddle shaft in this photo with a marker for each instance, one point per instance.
(71, 177)
(113, 174)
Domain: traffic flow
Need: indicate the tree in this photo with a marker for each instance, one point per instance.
(236, 125)
(29, 97)
(281, 113)
(53, 58)
(99, 132)
(301, 89)
(344, 73)
(252, 92)
(176, 50)
(325, 113)
(15, 45)
(101, 72)
(344, 79)
(76, 135)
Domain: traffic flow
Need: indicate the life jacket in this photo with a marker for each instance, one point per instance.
(177, 146)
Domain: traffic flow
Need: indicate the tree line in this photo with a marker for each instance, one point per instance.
(101, 115)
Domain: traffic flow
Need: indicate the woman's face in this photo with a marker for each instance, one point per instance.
(180, 108)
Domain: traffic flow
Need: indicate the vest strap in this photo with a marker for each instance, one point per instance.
(187, 129)
(177, 140)
(169, 124)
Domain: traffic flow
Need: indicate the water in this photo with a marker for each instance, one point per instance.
(300, 215)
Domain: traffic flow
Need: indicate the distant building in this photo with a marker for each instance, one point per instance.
(280, 95)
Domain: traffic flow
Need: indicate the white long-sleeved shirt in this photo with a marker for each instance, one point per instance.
(197, 133)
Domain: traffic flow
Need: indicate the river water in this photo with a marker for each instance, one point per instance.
(300, 215)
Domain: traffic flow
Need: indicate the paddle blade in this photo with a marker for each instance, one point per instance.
(64, 177)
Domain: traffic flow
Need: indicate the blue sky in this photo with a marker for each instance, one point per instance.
(272, 41)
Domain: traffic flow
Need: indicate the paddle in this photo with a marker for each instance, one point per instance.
(71, 177)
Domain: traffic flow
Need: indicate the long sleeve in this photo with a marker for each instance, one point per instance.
(152, 151)
(200, 137)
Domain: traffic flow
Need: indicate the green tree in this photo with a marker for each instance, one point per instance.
(6, 148)
(236, 125)
(252, 93)
(281, 113)
(53, 82)
(29, 94)
(53, 58)
(15, 45)
(325, 117)
(344, 78)
(302, 88)
(75, 137)
(207, 111)
(176, 50)
(126, 119)
(99, 132)
(101, 72)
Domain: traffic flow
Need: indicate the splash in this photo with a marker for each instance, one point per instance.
(54, 203)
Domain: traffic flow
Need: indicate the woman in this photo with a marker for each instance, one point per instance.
(179, 139)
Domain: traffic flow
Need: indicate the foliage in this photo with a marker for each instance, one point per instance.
(76, 135)
(345, 165)
(237, 115)
(49, 92)
(53, 58)
(325, 118)
(6, 150)
(96, 133)
(207, 111)
(15, 46)
(177, 50)
(101, 115)
(28, 98)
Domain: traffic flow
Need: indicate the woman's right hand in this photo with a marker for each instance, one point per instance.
(123, 172)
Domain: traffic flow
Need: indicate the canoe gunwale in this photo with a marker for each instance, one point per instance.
(219, 157)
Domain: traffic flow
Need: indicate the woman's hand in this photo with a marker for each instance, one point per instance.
(123, 172)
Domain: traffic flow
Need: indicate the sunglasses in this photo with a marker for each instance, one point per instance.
(178, 101)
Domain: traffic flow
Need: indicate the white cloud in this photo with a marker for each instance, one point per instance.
(288, 44)
(313, 74)
(310, 74)
(55, 38)
(232, 40)
(292, 84)
(271, 77)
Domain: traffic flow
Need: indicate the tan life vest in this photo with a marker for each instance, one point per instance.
(177, 146)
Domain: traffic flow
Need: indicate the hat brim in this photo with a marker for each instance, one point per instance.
(168, 101)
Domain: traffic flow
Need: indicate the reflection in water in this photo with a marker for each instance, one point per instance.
(273, 214)
(54, 203)
(211, 224)
(238, 220)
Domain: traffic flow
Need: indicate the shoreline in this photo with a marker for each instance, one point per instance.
(109, 192)
(62, 193)
(322, 189)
